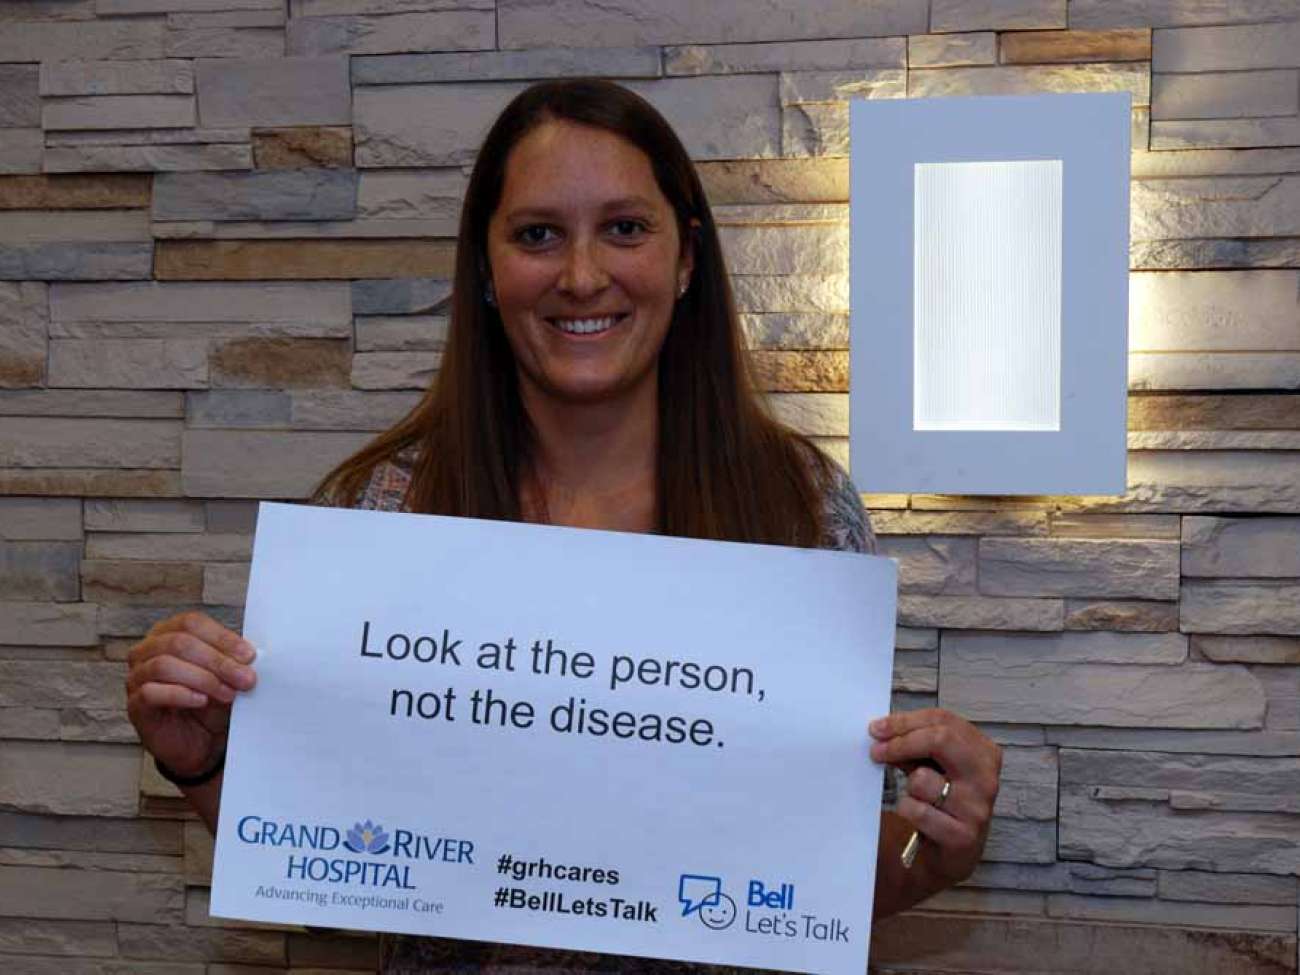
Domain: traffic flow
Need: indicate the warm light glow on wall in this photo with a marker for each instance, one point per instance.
(987, 296)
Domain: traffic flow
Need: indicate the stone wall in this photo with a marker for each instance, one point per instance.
(226, 228)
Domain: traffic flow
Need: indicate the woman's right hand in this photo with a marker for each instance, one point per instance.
(180, 682)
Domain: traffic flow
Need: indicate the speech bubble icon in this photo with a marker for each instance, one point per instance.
(696, 891)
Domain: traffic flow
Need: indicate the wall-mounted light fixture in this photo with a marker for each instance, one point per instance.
(989, 294)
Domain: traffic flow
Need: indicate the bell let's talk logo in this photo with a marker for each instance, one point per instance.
(377, 858)
(769, 910)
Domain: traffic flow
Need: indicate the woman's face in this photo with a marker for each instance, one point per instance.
(586, 263)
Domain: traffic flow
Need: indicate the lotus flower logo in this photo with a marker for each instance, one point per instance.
(367, 837)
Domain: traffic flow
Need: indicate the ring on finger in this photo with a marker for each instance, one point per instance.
(943, 795)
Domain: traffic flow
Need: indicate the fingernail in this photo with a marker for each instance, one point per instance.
(877, 753)
(246, 651)
(877, 727)
(244, 677)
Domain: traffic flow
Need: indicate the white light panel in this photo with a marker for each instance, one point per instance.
(988, 292)
(987, 296)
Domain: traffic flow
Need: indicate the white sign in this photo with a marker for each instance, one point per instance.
(548, 736)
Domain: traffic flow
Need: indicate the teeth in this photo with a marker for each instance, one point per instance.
(584, 326)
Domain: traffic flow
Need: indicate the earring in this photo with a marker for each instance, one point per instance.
(681, 292)
(489, 295)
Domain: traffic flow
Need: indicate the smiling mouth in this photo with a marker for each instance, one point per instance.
(586, 326)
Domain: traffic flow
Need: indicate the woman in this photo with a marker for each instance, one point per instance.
(593, 377)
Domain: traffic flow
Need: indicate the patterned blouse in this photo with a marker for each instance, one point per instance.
(846, 528)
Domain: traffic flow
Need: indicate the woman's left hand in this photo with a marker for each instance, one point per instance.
(971, 762)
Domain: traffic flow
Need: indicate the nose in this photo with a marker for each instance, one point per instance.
(583, 275)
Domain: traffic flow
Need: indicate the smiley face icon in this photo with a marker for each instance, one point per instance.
(719, 915)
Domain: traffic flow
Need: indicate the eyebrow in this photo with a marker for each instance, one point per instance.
(622, 203)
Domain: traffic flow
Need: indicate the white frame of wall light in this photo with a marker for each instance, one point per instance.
(1068, 435)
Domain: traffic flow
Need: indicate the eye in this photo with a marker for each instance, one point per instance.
(628, 227)
(535, 235)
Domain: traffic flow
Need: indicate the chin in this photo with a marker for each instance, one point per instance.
(589, 392)
(589, 389)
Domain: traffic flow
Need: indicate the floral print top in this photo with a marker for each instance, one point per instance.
(846, 528)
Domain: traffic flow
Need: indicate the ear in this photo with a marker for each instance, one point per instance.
(686, 260)
(489, 291)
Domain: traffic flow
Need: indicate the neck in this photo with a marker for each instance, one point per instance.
(593, 464)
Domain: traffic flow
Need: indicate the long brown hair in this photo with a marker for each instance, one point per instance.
(725, 470)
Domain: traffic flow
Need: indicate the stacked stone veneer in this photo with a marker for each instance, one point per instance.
(226, 228)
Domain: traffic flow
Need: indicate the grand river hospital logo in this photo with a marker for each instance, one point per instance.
(367, 837)
(702, 895)
(365, 855)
